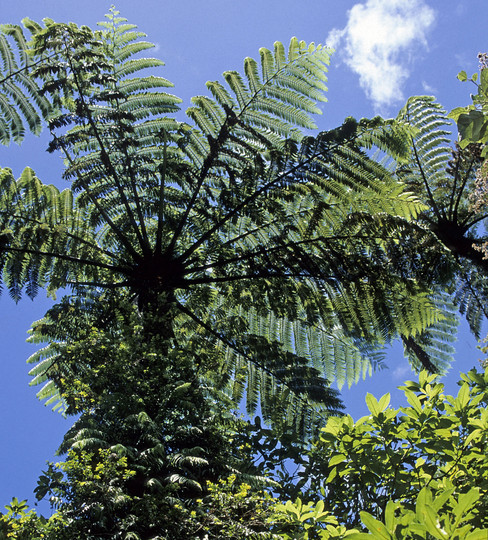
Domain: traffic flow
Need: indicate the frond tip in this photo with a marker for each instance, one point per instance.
(272, 100)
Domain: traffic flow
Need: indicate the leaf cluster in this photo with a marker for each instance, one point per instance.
(436, 442)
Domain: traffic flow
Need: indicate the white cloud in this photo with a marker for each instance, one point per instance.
(401, 371)
(378, 41)
(428, 88)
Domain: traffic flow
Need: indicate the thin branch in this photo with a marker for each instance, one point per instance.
(133, 184)
(453, 189)
(12, 74)
(426, 183)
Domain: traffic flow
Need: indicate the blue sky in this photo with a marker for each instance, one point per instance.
(386, 50)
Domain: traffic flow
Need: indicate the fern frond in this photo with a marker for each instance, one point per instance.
(18, 91)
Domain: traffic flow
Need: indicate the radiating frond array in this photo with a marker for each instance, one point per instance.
(444, 177)
(262, 254)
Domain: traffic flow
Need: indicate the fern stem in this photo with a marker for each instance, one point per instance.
(161, 202)
(96, 247)
(233, 346)
(104, 156)
(207, 164)
(265, 188)
(98, 284)
(426, 183)
(124, 241)
(258, 275)
(63, 257)
(461, 188)
(453, 189)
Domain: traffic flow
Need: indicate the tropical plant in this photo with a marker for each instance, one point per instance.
(431, 518)
(472, 121)
(262, 252)
(148, 409)
(21, 102)
(416, 472)
(445, 178)
(436, 442)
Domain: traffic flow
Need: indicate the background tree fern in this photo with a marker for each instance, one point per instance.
(261, 254)
(445, 177)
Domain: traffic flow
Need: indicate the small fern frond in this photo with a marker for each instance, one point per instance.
(18, 91)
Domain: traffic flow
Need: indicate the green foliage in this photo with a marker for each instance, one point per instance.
(151, 431)
(445, 178)
(20, 100)
(228, 509)
(436, 442)
(430, 519)
(265, 252)
(416, 472)
(472, 121)
(228, 259)
(20, 523)
(298, 521)
(231, 510)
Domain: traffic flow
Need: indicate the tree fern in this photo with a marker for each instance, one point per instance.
(444, 177)
(261, 255)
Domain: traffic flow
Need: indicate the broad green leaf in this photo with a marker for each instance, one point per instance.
(465, 504)
(372, 404)
(472, 127)
(338, 458)
(477, 534)
(463, 396)
(384, 402)
(414, 401)
(429, 518)
(376, 527)
(390, 518)
(458, 111)
(475, 434)
(484, 82)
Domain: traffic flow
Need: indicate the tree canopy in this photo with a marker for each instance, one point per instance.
(260, 248)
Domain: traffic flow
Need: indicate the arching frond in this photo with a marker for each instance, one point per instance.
(21, 104)
(432, 348)
(471, 297)
(45, 240)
